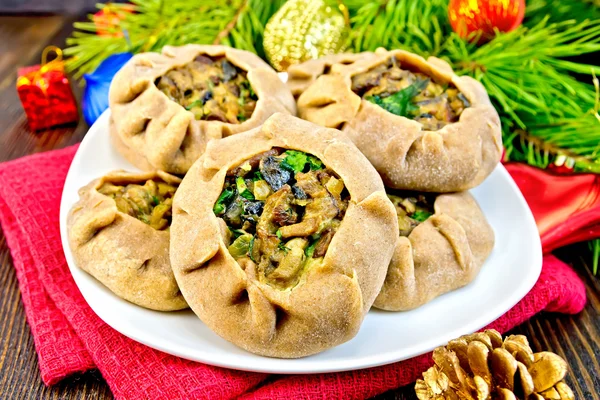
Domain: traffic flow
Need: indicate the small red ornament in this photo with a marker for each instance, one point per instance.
(46, 94)
(479, 18)
(108, 19)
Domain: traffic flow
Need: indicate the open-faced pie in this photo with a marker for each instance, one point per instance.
(281, 238)
(301, 76)
(444, 240)
(421, 126)
(119, 234)
(165, 107)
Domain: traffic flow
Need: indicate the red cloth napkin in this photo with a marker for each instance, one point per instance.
(70, 338)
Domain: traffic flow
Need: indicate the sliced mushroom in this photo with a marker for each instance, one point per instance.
(292, 262)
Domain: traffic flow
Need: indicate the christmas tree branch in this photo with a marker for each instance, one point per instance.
(229, 27)
(148, 25)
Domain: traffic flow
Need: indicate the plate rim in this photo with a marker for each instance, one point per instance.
(287, 366)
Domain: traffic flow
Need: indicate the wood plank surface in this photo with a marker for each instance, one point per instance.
(22, 40)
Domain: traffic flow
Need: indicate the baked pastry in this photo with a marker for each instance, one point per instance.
(444, 240)
(421, 126)
(119, 234)
(165, 107)
(281, 238)
(301, 76)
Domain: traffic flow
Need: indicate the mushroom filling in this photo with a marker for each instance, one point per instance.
(410, 94)
(412, 209)
(211, 88)
(283, 208)
(150, 203)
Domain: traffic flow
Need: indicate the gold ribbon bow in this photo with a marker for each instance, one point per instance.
(36, 77)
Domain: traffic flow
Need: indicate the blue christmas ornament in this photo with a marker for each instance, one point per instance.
(95, 94)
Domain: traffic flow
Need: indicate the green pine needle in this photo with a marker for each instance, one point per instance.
(156, 23)
(594, 246)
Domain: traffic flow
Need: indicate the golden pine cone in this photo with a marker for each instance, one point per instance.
(482, 366)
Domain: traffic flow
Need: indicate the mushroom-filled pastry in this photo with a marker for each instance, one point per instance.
(421, 126)
(119, 234)
(301, 76)
(281, 238)
(165, 107)
(443, 242)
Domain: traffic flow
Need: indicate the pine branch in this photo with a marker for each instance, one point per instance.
(148, 25)
(230, 25)
(418, 26)
(558, 10)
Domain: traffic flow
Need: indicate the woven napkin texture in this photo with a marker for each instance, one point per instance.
(70, 338)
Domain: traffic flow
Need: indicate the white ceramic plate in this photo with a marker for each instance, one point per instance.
(385, 337)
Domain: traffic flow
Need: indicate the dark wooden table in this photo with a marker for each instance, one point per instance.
(22, 40)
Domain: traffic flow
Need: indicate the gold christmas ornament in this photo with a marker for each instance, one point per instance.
(483, 366)
(304, 29)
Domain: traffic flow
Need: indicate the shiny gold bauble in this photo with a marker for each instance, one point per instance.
(305, 29)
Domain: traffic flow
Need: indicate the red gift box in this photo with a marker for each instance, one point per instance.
(46, 94)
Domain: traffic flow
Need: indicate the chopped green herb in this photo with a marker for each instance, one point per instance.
(278, 233)
(224, 199)
(421, 215)
(241, 184)
(247, 195)
(155, 200)
(400, 103)
(315, 163)
(283, 247)
(236, 233)
(251, 248)
(243, 189)
(193, 104)
(246, 86)
(258, 176)
(294, 161)
(241, 99)
(311, 248)
(241, 117)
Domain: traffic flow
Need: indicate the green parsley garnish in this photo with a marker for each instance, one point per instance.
(315, 163)
(294, 161)
(193, 104)
(400, 103)
(251, 248)
(421, 215)
(243, 189)
(258, 176)
(309, 251)
(224, 199)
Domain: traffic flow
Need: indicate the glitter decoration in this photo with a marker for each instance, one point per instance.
(479, 19)
(45, 92)
(301, 30)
